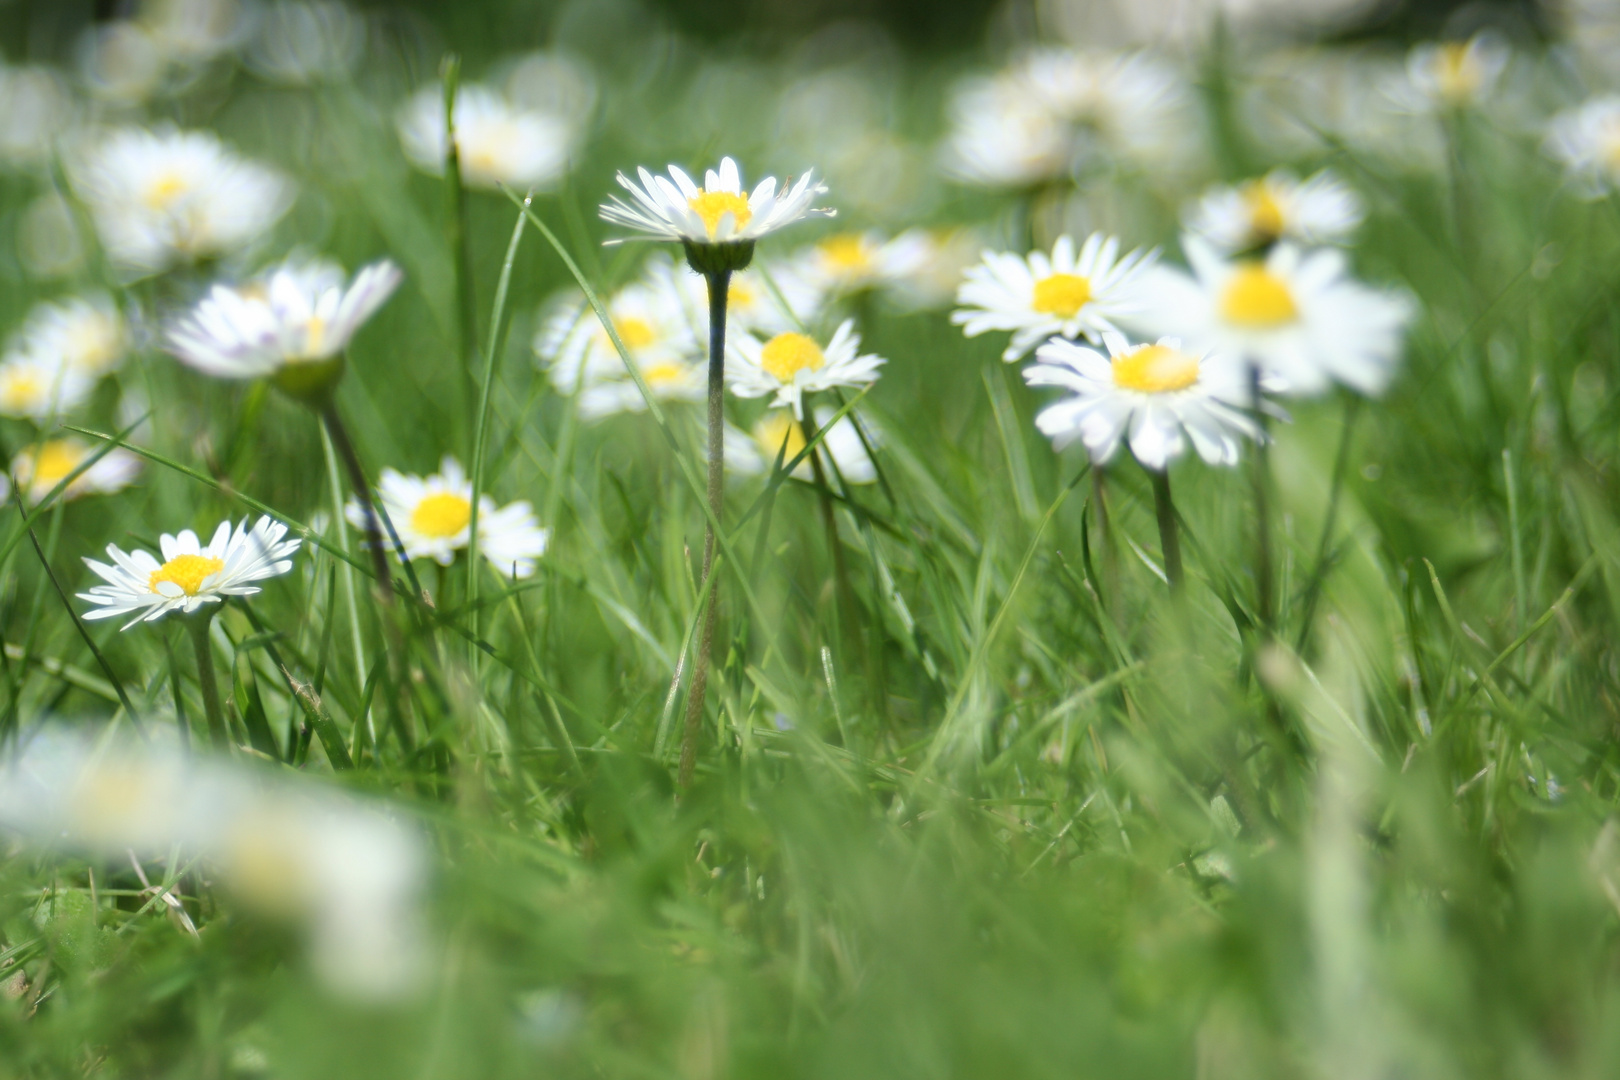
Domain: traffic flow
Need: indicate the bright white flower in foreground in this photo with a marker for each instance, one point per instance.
(165, 196)
(849, 262)
(37, 469)
(1257, 213)
(1297, 316)
(1037, 297)
(39, 387)
(674, 208)
(650, 318)
(85, 334)
(791, 365)
(1002, 136)
(755, 454)
(1586, 139)
(1454, 74)
(300, 313)
(496, 142)
(433, 517)
(1156, 398)
(191, 574)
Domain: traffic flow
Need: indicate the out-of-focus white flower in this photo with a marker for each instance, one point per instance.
(86, 334)
(37, 469)
(1037, 296)
(1297, 316)
(1127, 102)
(555, 84)
(1257, 213)
(496, 142)
(192, 573)
(122, 63)
(1453, 74)
(194, 31)
(849, 262)
(778, 433)
(165, 196)
(40, 388)
(35, 110)
(1157, 398)
(674, 208)
(1003, 136)
(649, 317)
(48, 241)
(351, 872)
(433, 517)
(1299, 102)
(1586, 140)
(752, 305)
(300, 43)
(936, 277)
(790, 365)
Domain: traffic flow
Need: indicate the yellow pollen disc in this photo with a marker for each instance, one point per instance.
(164, 190)
(53, 461)
(848, 252)
(1256, 297)
(314, 336)
(711, 206)
(1458, 75)
(441, 515)
(1062, 295)
(776, 428)
(635, 333)
(186, 571)
(741, 295)
(1155, 369)
(787, 354)
(1265, 213)
(664, 374)
(21, 390)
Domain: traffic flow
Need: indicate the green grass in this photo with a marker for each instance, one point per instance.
(1037, 820)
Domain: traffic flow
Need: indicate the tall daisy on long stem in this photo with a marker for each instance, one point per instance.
(718, 225)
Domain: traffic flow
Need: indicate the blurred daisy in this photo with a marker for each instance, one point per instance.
(85, 334)
(37, 111)
(1038, 296)
(674, 208)
(1128, 103)
(668, 380)
(191, 574)
(433, 517)
(294, 323)
(849, 262)
(39, 387)
(791, 365)
(37, 469)
(1299, 317)
(752, 306)
(1001, 136)
(496, 142)
(778, 433)
(1258, 213)
(649, 316)
(166, 196)
(1454, 74)
(1156, 398)
(1586, 139)
(302, 43)
(934, 280)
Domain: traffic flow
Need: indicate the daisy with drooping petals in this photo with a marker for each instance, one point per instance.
(497, 142)
(37, 469)
(433, 517)
(674, 208)
(168, 196)
(38, 387)
(778, 433)
(293, 324)
(1586, 139)
(791, 365)
(191, 574)
(1258, 213)
(1454, 74)
(1296, 316)
(1037, 297)
(1158, 399)
(86, 334)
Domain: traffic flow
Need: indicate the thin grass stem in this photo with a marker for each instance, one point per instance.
(1319, 571)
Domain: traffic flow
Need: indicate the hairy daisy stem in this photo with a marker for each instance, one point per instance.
(362, 491)
(719, 288)
(1164, 508)
(206, 681)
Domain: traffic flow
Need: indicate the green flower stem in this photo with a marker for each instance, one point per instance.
(198, 625)
(719, 288)
(1164, 508)
(362, 491)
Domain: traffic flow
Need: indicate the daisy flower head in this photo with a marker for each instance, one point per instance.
(1063, 294)
(433, 517)
(1002, 136)
(1277, 206)
(167, 196)
(1454, 74)
(1586, 140)
(191, 574)
(719, 222)
(1158, 399)
(497, 142)
(38, 469)
(792, 364)
(1297, 316)
(39, 387)
(86, 334)
(847, 263)
(650, 317)
(293, 324)
(778, 434)
(1124, 103)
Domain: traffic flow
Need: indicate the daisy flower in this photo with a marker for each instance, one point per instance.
(38, 109)
(294, 324)
(191, 574)
(849, 262)
(1128, 103)
(1586, 139)
(1157, 398)
(38, 387)
(168, 196)
(1258, 213)
(496, 141)
(791, 365)
(37, 469)
(675, 208)
(1038, 296)
(1454, 74)
(86, 334)
(1297, 316)
(752, 306)
(778, 433)
(433, 517)
(1001, 136)
(649, 316)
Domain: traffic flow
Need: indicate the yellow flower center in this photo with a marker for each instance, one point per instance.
(164, 189)
(48, 464)
(1258, 298)
(1457, 73)
(186, 571)
(92, 345)
(775, 429)
(664, 374)
(1266, 220)
(711, 206)
(441, 515)
(848, 253)
(1155, 369)
(635, 333)
(314, 337)
(22, 390)
(741, 295)
(787, 354)
(1062, 295)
